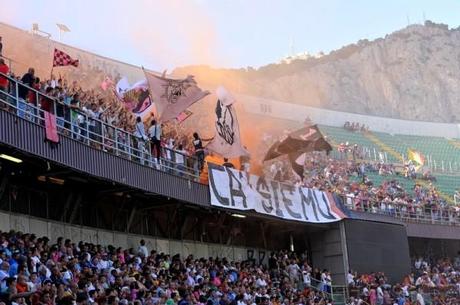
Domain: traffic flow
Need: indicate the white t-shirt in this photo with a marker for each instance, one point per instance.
(365, 291)
(140, 131)
(261, 283)
(35, 261)
(143, 251)
(350, 279)
(293, 270)
(379, 292)
(306, 278)
(420, 299)
(180, 156)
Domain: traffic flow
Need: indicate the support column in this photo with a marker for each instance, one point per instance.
(343, 243)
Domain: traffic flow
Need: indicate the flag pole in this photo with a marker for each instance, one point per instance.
(52, 65)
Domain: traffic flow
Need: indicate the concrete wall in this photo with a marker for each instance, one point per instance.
(296, 112)
(53, 230)
(327, 251)
(433, 248)
(374, 246)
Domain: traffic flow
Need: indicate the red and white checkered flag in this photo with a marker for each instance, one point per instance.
(63, 59)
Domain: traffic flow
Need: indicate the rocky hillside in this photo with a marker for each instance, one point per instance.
(413, 73)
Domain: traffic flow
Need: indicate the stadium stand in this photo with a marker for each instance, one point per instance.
(37, 271)
(441, 153)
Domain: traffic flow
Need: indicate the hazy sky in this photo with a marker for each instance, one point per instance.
(227, 33)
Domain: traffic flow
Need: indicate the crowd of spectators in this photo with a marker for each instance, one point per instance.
(345, 149)
(355, 127)
(37, 271)
(353, 180)
(435, 281)
(86, 115)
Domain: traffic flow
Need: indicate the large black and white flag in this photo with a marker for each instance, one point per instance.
(227, 141)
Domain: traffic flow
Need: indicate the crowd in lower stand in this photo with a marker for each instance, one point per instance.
(38, 271)
(436, 283)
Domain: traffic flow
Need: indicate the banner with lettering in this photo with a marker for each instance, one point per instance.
(233, 189)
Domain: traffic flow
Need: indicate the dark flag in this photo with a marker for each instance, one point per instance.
(306, 139)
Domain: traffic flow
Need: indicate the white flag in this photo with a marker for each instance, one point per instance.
(227, 141)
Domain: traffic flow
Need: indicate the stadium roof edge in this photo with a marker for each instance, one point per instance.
(80, 50)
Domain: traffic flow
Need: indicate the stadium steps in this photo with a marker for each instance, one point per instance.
(440, 150)
(455, 143)
(377, 179)
(448, 183)
(337, 135)
(338, 295)
(384, 147)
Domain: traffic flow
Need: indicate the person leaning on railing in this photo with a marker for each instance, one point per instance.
(3, 80)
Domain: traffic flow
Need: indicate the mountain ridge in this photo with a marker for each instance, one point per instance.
(412, 73)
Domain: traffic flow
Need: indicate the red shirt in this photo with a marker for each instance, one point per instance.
(46, 104)
(32, 95)
(3, 80)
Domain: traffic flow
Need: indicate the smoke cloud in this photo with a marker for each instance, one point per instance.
(154, 33)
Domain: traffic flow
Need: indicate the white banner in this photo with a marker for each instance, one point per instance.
(236, 190)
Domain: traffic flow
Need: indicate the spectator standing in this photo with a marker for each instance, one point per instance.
(32, 98)
(155, 137)
(140, 136)
(169, 145)
(27, 80)
(294, 272)
(142, 250)
(199, 150)
(74, 106)
(93, 114)
(3, 81)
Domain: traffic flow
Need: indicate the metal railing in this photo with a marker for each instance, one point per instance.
(446, 215)
(88, 129)
(337, 293)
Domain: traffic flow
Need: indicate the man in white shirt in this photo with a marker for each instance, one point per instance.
(306, 278)
(155, 138)
(350, 279)
(260, 282)
(142, 250)
(418, 263)
(293, 271)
